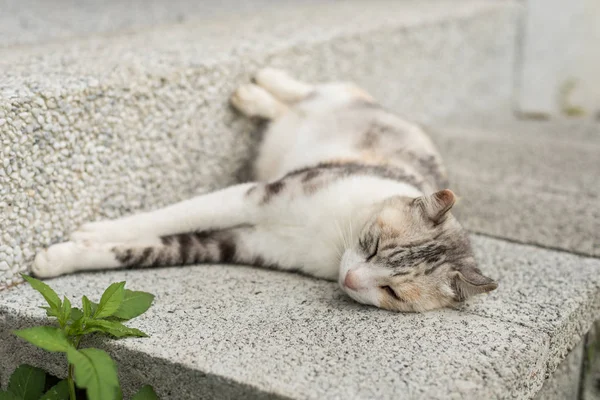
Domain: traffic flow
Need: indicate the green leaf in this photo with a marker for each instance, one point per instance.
(27, 382)
(94, 307)
(111, 300)
(87, 306)
(46, 291)
(8, 396)
(96, 372)
(75, 328)
(45, 337)
(50, 312)
(60, 391)
(76, 314)
(114, 328)
(145, 393)
(134, 304)
(66, 308)
(65, 312)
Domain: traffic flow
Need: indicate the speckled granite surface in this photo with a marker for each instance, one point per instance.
(234, 330)
(566, 380)
(106, 125)
(25, 22)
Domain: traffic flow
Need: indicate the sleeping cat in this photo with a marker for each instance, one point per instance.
(344, 191)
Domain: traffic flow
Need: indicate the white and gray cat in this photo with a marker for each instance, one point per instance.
(344, 191)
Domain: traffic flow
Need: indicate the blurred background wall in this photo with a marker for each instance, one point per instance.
(560, 71)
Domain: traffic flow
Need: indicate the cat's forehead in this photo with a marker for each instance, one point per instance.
(391, 214)
(397, 221)
(395, 210)
(420, 249)
(397, 225)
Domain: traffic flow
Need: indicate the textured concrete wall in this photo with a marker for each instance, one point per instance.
(41, 21)
(100, 127)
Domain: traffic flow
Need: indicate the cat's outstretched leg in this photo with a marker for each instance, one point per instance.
(216, 227)
(254, 101)
(212, 246)
(217, 210)
(281, 85)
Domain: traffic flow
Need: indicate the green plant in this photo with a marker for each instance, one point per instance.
(89, 368)
(31, 383)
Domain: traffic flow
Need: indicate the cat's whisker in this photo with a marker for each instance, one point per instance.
(337, 245)
(342, 236)
(338, 250)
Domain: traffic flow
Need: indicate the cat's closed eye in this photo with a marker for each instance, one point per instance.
(390, 291)
(375, 251)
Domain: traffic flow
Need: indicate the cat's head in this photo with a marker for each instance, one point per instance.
(412, 255)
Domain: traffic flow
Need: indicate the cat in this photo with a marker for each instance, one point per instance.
(344, 190)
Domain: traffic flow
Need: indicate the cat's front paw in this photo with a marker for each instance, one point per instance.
(103, 232)
(56, 260)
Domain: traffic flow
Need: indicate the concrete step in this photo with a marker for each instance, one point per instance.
(106, 125)
(238, 332)
(227, 332)
(529, 181)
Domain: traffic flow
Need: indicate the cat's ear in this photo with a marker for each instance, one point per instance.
(436, 206)
(469, 281)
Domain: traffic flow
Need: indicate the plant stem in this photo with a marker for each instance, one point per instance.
(71, 383)
(70, 380)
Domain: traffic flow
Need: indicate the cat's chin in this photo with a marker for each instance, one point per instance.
(362, 296)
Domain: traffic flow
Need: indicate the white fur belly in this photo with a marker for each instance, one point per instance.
(311, 232)
(295, 141)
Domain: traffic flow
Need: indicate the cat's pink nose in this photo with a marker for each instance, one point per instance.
(351, 280)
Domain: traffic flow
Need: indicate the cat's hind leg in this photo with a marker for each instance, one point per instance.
(281, 85)
(68, 257)
(254, 101)
(323, 96)
(212, 246)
